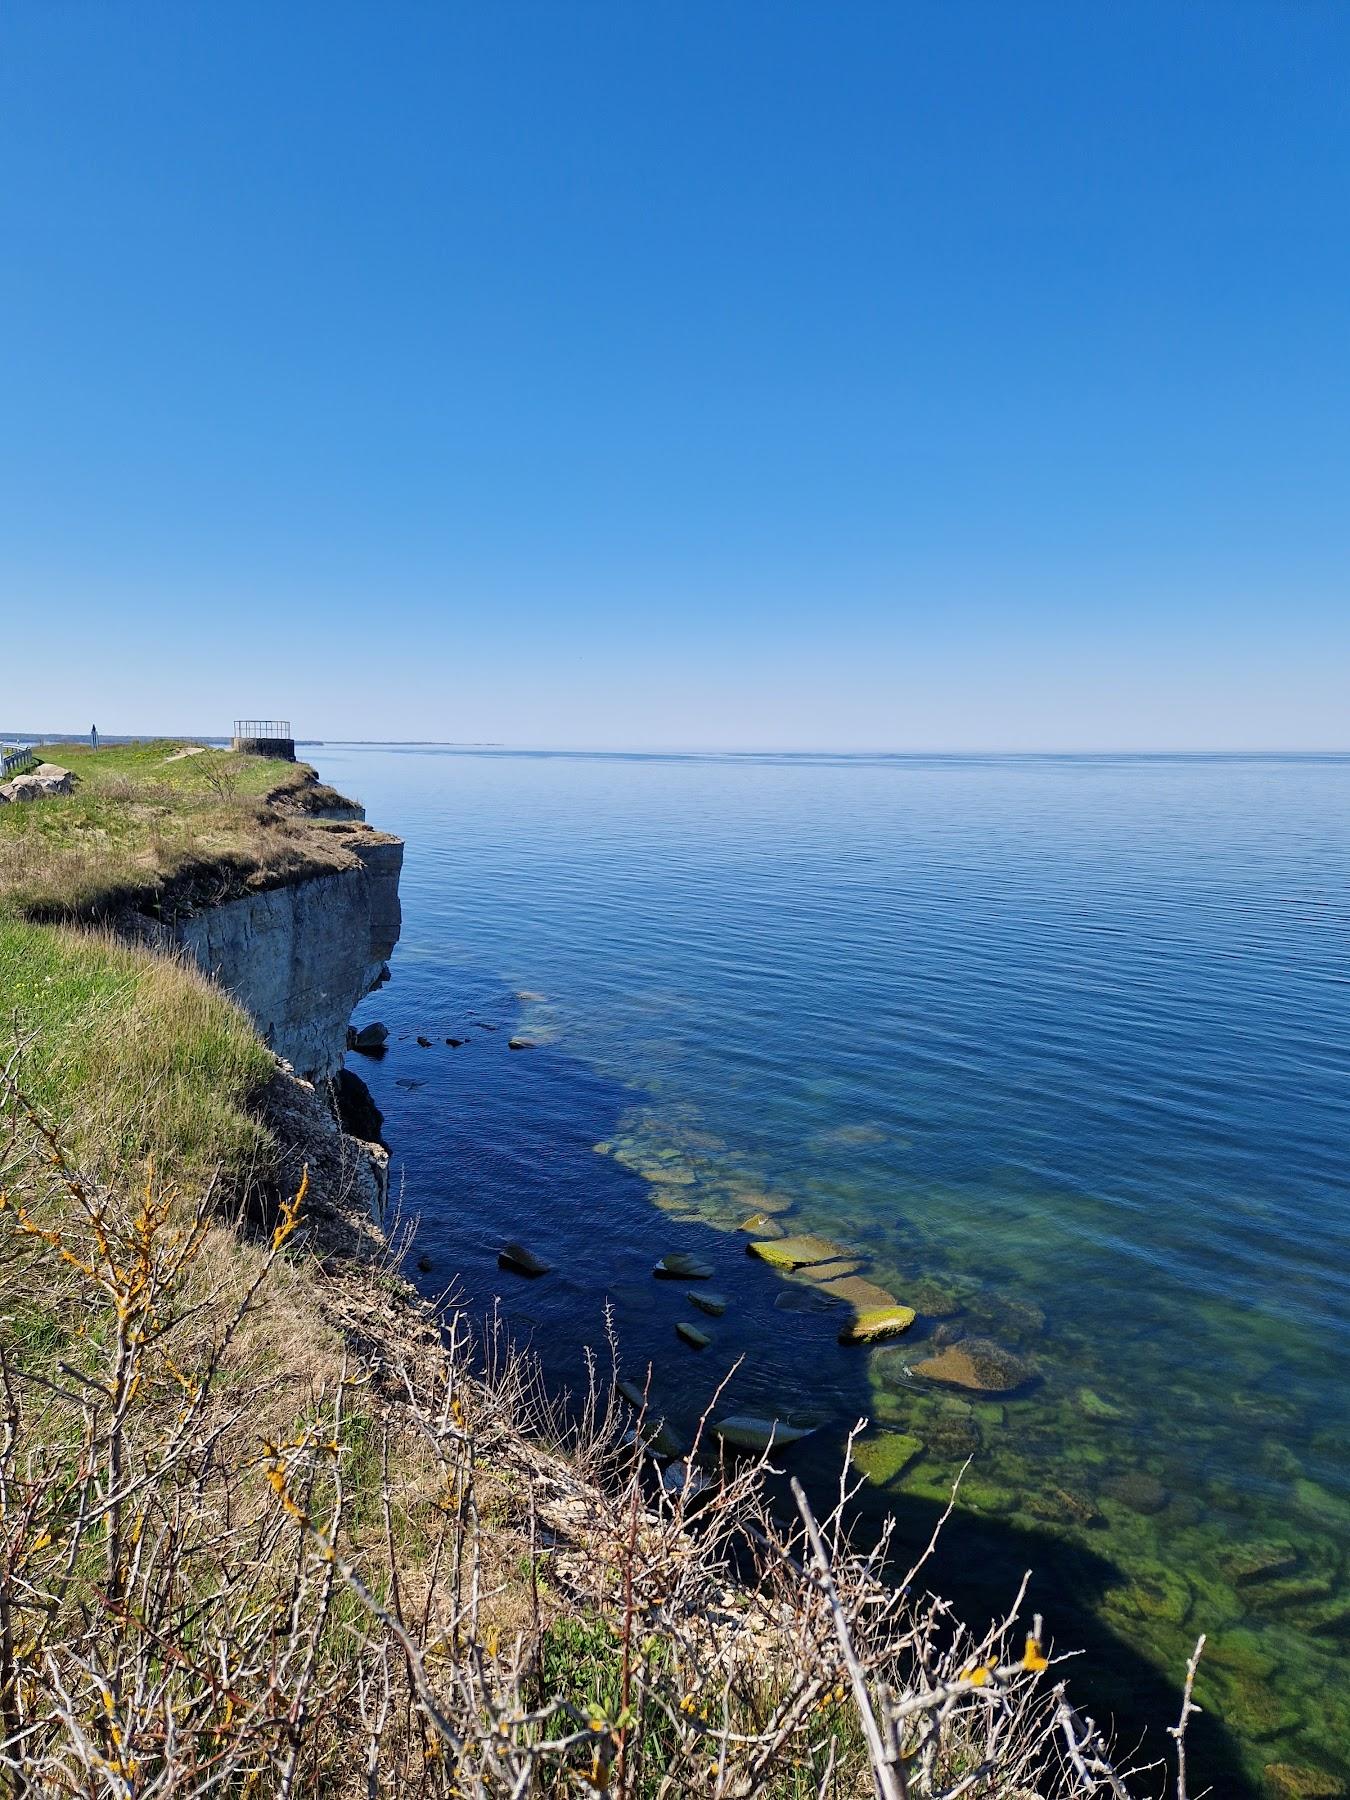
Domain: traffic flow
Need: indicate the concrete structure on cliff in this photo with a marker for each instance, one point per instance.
(264, 737)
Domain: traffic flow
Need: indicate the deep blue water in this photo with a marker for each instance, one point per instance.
(1066, 1039)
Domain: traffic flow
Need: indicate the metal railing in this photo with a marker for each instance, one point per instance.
(14, 762)
(262, 728)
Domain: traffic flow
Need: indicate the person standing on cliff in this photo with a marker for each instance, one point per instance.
(93, 737)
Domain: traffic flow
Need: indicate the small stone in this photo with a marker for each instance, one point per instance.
(514, 1043)
(522, 1261)
(424, 1043)
(684, 1478)
(976, 1363)
(708, 1302)
(677, 1266)
(877, 1323)
(455, 1043)
(370, 1040)
(696, 1338)
(744, 1431)
(796, 1252)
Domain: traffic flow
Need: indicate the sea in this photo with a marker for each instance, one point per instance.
(1056, 1049)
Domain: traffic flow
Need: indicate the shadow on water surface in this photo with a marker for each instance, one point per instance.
(494, 1144)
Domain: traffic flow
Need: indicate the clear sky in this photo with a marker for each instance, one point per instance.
(596, 373)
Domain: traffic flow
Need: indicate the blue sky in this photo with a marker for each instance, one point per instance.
(943, 375)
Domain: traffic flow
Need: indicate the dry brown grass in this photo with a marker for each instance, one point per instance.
(266, 1529)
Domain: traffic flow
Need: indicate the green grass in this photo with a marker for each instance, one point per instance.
(129, 1053)
(200, 776)
(160, 836)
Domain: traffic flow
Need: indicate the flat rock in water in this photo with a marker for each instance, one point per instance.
(424, 1043)
(514, 1043)
(798, 1298)
(976, 1363)
(884, 1459)
(677, 1266)
(693, 1335)
(522, 1261)
(837, 1270)
(878, 1323)
(708, 1302)
(745, 1431)
(796, 1252)
(855, 1291)
(455, 1043)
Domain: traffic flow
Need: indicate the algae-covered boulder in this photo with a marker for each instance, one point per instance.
(676, 1265)
(747, 1431)
(885, 1458)
(876, 1324)
(520, 1260)
(978, 1364)
(693, 1335)
(796, 1252)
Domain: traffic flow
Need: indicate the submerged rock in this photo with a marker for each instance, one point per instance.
(884, 1459)
(676, 1265)
(746, 1431)
(796, 1252)
(455, 1043)
(522, 1261)
(693, 1335)
(1259, 1562)
(855, 1291)
(1140, 1491)
(708, 1302)
(877, 1323)
(932, 1299)
(978, 1364)
(1297, 1781)
(760, 1225)
(805, 1300)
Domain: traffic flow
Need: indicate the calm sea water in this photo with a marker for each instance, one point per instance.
(1063, 1042)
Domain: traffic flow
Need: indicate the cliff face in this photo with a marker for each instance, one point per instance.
(299, 958)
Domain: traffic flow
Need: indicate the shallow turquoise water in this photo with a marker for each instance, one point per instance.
(1067, 1039)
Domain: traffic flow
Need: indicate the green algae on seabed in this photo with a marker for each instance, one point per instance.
(1071, 1455)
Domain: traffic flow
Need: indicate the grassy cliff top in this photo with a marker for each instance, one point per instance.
(163, 828)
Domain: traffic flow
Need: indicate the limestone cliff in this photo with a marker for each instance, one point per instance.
(299, 957)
